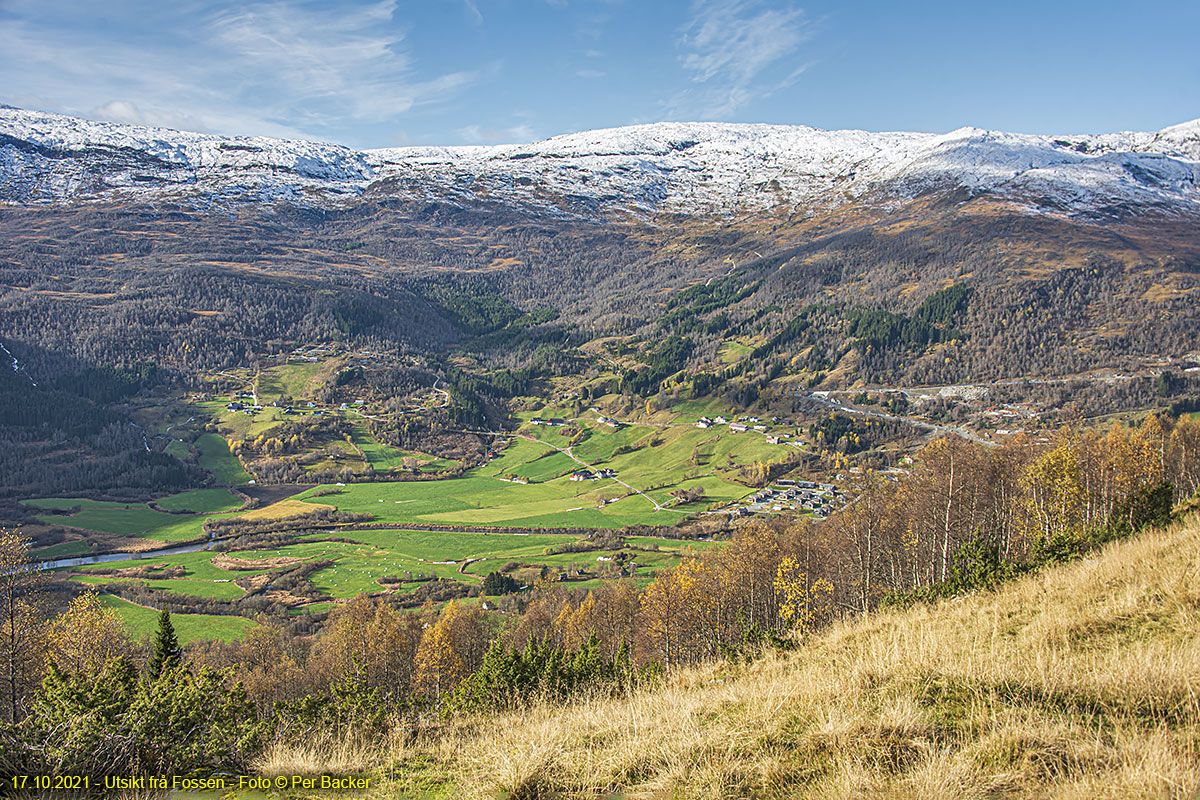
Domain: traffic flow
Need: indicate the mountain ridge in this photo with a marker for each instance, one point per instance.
(703, 169)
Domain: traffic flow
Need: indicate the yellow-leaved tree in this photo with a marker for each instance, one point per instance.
(438, 667)
(86, 636)
(1055, 493)
(450, 649)
(679, 613)
(803, 603)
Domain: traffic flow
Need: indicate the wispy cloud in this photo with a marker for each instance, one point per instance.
(351, 59)
(473, 12)
(738, 51)
(280, 68)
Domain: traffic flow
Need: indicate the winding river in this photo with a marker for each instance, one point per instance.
(79, 561)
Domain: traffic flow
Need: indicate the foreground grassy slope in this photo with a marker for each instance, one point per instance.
(1081, 681)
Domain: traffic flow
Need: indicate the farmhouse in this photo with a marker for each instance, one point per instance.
(736, 427)
(583, 475)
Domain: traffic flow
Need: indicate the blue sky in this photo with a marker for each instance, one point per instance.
(394, 72)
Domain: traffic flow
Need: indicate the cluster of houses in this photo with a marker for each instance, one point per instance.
(554, 422)
(791, 495)
(589, 475)
(245, 408)
(743, 424)
(250, 409)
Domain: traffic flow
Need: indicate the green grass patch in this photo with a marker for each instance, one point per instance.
(201, 501)
(481, 500)
(295, 380)
(143, 622)
(216, 458)
(62, 550)
(197, 565)
(383, 457)
(190, 586)
(732, 352)
(123, 519)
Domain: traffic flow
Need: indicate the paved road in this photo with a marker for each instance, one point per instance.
(864, 412)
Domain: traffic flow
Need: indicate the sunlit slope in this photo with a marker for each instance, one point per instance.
(1082, 681)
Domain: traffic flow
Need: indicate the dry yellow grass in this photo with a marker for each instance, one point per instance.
(283, 509)
(1079, 682)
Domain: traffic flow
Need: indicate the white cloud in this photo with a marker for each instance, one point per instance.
(282, 68)
(732, 48)
(590, 74)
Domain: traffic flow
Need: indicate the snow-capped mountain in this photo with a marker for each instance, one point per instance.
(691, 168)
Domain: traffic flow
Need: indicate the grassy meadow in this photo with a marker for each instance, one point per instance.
(139, 520)
(143, 622)
(215, 457)
(358, 564)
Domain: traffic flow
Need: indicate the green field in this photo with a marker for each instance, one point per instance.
(378, 553)
(197, 566)
(239, 425)
(123, 519)
(63, 550)
(732, 352)
(143, 622)
(216, 458)
(201, 501)
(527, 486)
(383, 457)
(370, 555)
(485, 500)
(197, 588)
(657, 460)
(287, 380)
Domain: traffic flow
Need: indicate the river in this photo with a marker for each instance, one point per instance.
(79, 561)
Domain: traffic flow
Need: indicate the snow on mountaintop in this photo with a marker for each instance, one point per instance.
(54, 157)
(699, 168)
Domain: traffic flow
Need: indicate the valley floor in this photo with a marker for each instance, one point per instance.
(1080, 681)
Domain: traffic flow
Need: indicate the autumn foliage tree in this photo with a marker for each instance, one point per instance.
(85, 637)
(21, 625)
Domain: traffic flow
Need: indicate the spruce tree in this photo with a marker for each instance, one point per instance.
(167, 653)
